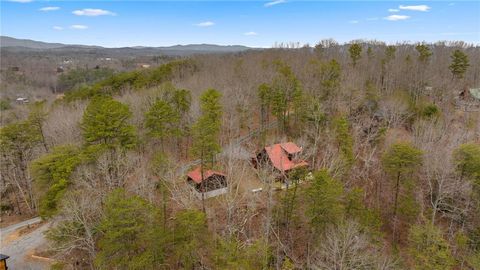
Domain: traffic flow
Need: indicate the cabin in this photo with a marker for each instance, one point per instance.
(212, 180)
(3, 262)
(22, 100)
(283, 157)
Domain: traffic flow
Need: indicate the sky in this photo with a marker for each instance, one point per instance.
(251, 23)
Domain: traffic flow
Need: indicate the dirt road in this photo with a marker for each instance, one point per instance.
(11, 228)
(21, 248)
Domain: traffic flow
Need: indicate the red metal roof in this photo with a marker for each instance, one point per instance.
(279, 158)
(196, 174)
(291, 148)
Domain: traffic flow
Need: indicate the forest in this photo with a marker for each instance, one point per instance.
(386, 139)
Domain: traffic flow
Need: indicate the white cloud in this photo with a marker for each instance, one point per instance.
(251, 33)
(273, 3)
(354, 22)
(397, 17)
(78, 26)
(49, 8)
(91, 12)
(58, 28)
(21, 1)
(205, 24)
(393, 10)
(415, 8)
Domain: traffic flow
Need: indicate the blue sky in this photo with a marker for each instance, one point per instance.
(250, 23)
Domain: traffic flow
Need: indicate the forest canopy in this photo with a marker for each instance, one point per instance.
(339, 156)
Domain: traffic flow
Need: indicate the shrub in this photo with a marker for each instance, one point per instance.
(430, 111)
(4, 105)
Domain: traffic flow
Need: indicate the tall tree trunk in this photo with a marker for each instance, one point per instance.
(164, 204)
(202, 184)
(397, 189)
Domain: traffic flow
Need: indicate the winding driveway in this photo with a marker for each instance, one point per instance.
(21, 248)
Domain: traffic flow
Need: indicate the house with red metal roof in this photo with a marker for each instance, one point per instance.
(211, 180)
(282, 156)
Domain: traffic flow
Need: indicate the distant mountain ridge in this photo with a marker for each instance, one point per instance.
(19, 44)
(31, 44)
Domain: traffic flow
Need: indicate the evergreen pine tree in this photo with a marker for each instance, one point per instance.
(206, 130)
(355, 51)
(429, 249)
(105, 122)
(325, 201)
(162, 121)
(459, 64)
(131, 236)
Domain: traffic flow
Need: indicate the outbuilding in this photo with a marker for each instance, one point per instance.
(211, 180)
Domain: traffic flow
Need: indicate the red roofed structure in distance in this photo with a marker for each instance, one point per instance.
(282, 156)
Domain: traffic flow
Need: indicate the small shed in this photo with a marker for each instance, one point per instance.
(3, 262)
(282, 156)
(212, 180)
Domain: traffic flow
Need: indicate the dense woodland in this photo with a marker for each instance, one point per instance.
(391, 135)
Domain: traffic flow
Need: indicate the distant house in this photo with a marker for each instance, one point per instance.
(143, 65)
(282, 156)
(22, 100)
(212, 180)
(468, 99)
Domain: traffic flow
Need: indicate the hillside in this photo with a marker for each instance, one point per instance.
(13, 44)
(27, 43)
(340, 156)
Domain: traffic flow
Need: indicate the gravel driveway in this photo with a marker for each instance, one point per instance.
(21, 248)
